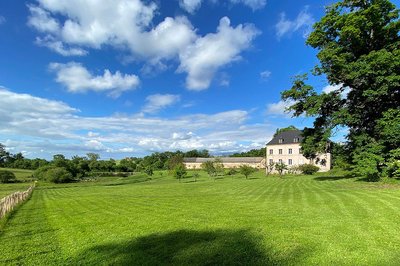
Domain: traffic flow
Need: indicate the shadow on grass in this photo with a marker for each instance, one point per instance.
(333, 177)
(186, 247)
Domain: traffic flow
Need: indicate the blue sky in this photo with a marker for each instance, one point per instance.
(130, 77)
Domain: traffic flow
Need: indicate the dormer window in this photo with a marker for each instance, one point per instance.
(280, 140)
(295, 140)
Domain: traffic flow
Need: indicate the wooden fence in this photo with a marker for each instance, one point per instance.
(8, 203)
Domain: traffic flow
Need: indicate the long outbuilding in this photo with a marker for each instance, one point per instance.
(228, 162)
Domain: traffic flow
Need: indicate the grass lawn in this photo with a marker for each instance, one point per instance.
(23, 177)
(321, 219)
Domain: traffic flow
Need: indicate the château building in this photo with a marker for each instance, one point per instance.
(285, 147)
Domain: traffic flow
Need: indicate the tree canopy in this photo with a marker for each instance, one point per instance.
(358, 48)
(280, 130)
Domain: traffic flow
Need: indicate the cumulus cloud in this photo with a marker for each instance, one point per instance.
(55, 127)
(59, 47)
(70, 30)
(156, 102)
(42, 20)
(279, 108)
(209, 53)
(253, 4)
(77, 79)
(304, 21)
(119, 23)
(190, 5)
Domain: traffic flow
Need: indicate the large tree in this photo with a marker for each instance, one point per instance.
(358, 48)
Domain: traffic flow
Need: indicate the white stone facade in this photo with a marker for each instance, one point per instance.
(290, 155)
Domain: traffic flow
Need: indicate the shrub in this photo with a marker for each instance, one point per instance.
(7, 176)
(58, 175)
(280, 167)
(53, 174)
(180, 171)
(308, 169)
(149, 171)
(231, 171)
(393, 169)
(40, 173)
(209, 168)
(246, 170)
(196, 176)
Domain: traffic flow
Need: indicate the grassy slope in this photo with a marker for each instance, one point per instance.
(295, 220)
(22, 176)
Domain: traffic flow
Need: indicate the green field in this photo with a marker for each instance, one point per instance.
(23, 177)
(322, 219)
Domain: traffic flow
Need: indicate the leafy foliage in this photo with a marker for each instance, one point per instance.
(58, 175)
(358, 49)
(308, 169)
(7, 176)
(180, 171)
(394, 169)
(246, 170)
(149, 171)
(209, 168)
(270, 167)
(252, 153)
(280, 130)
(280, 167)
(53, 174)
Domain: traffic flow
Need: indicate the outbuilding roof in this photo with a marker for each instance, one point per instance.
(287, 137)
(225, 159)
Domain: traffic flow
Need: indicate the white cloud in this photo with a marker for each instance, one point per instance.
(55, 127)
(253, 4)
(190, 5)
(2, 20)
(156, 102)
(304, 22)
(209, 53)
(182, 136)
(78, 79)
(264, 75)
(329, 88)
(339, 87)
(119, 23)
(70, 30)
(126, 150)
(95, 145)
(279, 108)
(59, 47)
(41, 20)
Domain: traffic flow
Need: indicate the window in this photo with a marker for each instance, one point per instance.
(280, 161)
(271, 151)
(280, 140)
(290, 151)
(290, 162)
(295, 140)
(280, 151)
(271, 161)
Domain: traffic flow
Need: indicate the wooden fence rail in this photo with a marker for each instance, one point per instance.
(8, 203)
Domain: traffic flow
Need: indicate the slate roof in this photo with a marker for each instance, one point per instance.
(287, 136)
(225, 160)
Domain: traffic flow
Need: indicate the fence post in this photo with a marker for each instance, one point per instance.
(9, 202)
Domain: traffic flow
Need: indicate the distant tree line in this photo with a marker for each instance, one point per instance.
(61, 169)
(251, 153)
